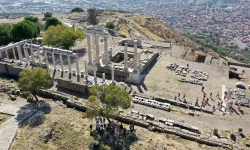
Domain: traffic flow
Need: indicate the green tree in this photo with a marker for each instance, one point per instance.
(52, 21)
(31, 80)
(5, 34)
(47, 15)
(105, 100)
(110, 25)
(25, 30)
(77, 9)
(31, 18)
(62, 37)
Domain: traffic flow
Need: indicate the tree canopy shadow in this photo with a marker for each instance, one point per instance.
(36, 119)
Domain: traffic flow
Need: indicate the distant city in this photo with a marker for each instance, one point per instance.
(229, 20)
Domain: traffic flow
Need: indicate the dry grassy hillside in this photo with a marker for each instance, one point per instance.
(134, 25)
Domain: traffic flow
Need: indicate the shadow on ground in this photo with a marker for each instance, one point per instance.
(36, 119)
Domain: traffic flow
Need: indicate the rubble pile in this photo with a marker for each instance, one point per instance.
(171, 126)
(12, 91)
(179, 70)
(239, 92)
(151, 103)
(200, 75)
(192, 81)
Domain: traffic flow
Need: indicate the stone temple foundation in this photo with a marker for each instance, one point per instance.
(128, 63)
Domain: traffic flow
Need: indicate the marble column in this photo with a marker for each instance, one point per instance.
(97, 50)
(46, 58)
(135, 55)
(69, 64)
(6, 53)
(1, 56)
(26, 54)
(103, 76)
(32, 55)
(54, 61)
(93, 47)
(39, 56)
(106, 50)
(20, 54)
(89, 49)
(86, 70)
(14, 53)
(61, 62)
(77, 66)
(95, 79)
(126, 57)
(113, 74)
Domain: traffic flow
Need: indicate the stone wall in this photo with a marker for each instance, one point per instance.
(7, 69)
(71, 86)
(13, 71)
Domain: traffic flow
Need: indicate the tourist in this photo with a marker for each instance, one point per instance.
(184, 101)
(124, 132)
(179, 95)
(90, 127)
(202, 104)
(196, 103)
(239, 106)
(202, 89)
(218, 95)
(214, 109)
(99, 137)
(131, 127)
(175, 97)
(121, 128)
(184, 95)
(187, 65)
(211, 94)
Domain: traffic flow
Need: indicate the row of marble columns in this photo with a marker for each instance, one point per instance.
(95, 41)
(137, 56)
(19, 53)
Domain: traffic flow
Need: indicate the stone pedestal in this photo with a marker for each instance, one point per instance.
(103, 76)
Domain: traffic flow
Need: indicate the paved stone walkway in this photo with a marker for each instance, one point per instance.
(8, 129)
